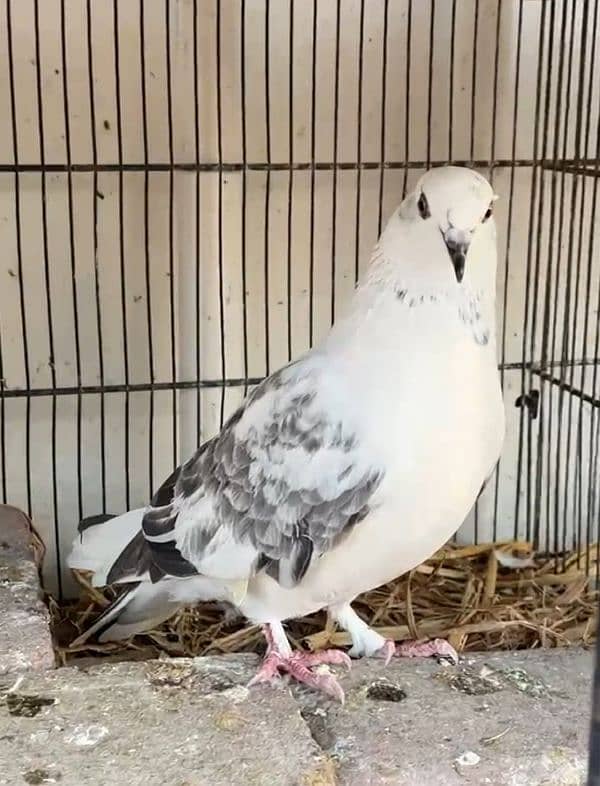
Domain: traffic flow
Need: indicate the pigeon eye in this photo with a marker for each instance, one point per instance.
(487, 214)
(423, 206)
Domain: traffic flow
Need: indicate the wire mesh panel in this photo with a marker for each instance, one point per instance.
(190, 189)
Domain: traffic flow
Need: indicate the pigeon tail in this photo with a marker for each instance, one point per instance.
(100, 542)
(142, 605)
(138, 609)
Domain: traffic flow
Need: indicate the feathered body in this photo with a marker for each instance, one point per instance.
(353, 464)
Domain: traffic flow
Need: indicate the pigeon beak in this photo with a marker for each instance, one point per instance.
(457, 244)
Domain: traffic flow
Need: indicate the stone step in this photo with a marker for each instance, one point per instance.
(507, 719)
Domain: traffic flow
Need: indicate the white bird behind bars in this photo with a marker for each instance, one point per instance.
(346, 468)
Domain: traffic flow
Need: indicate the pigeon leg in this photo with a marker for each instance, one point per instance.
(280, 657)
(366, 641)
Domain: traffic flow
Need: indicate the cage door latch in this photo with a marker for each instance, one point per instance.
(529, 401)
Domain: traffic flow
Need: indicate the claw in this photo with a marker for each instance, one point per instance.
(268, 670)
(329, 685)
(298, 664)
(387, 652)
(331, 657)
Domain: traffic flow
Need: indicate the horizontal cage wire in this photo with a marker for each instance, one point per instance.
(190, 189)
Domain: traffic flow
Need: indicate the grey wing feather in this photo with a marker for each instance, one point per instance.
(282, 483)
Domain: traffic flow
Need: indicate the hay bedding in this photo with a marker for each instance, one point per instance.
(490, 596)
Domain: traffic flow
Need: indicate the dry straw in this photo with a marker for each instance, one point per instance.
(489, 596)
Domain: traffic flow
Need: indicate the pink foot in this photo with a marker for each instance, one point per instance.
(418, 649)
(298, 664)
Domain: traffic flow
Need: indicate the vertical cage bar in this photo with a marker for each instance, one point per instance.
(172, 302)
(197, 221)
(472, 156)
(123, 280)
(384, 65)
(290, 179)
(244, 189)
(361, 42)
(474, 81)
(94, 141)
(267, 189)
(407, 96)
(336, 117)
(147, 249)
(492, 178)
(532, 275)
(430, 80)
(73, 265)
(511, 192)
(220, 209)
(495, 88)
(545, 433)
(19, 249)
(564, 358)
(550, 317)
(594, 445)
(46, 258)
(313, 141)
(451, 80)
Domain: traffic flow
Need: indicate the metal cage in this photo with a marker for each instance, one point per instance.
(189, 189)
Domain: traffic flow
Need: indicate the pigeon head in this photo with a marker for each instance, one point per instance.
(453, 205)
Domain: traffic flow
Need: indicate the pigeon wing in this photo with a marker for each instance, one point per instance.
(281, 484)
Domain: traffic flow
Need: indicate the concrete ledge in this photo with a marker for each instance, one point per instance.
(25, 641)
(181, 722)
(505, 719)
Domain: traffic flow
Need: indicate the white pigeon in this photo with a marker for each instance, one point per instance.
(346, 468)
